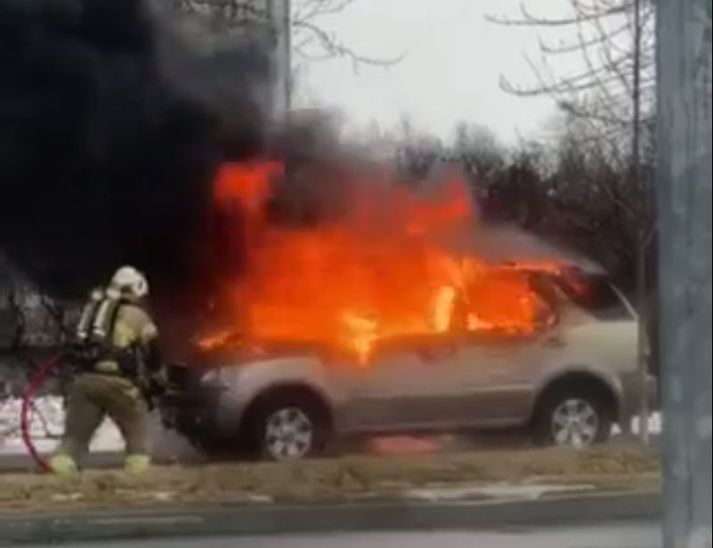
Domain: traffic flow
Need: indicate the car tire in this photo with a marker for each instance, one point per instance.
(288, 427)
(573, 416)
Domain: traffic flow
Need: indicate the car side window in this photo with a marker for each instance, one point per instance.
(548, 303)
(599, 298)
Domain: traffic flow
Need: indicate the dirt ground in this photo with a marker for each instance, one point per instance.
(350, 478)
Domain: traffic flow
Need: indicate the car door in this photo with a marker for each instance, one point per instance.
(502, 372)
(419, 386)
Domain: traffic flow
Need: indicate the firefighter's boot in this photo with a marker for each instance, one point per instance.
(137, 464)
(63, 466)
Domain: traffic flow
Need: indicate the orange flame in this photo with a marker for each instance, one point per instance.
(382, 271)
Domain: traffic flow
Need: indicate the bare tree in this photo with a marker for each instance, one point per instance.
(613, 96)
(478, 149)
(613, 42)
(416, 152)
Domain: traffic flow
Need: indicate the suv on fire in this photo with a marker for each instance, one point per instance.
(568, 383)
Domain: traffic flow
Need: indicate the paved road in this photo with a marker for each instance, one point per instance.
(630, 534)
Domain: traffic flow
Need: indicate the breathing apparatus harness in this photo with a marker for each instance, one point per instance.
(94, 338)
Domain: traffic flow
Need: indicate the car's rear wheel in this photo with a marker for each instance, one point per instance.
(574, 417)
(289, 427)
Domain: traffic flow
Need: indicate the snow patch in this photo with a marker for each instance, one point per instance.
(46, 427)
(655, 425)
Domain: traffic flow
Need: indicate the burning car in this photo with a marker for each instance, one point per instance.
(367, 307)
(567, 380)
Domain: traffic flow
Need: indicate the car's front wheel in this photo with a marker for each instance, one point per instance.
(576, 417)
(289, 427)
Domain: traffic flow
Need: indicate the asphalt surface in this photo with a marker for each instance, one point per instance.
(624, 534)
(544, 516)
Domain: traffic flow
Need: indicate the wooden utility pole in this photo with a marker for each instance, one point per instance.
(684, 207)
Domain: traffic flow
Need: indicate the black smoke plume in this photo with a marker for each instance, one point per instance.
(108, 146)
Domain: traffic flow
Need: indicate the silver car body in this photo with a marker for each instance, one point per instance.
(473, 382)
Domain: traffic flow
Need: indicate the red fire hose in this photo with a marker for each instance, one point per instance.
(34, 384)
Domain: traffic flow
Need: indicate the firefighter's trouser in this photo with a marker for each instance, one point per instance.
(92, 397)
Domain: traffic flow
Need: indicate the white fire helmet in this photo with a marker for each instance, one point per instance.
(129, 280)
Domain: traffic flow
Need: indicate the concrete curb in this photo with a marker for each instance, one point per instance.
(375, 516)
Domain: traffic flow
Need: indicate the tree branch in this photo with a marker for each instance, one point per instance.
(529, 20)
(574, 47)
(574, 84)
(316, 43)
(331, 47)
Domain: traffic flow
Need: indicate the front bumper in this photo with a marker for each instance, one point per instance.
(189, 413)
(189, 406)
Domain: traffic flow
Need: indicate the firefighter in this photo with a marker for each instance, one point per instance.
(119, 368)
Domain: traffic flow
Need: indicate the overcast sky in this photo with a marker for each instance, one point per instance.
(453, 62)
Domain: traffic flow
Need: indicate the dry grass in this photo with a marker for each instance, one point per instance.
(329, 480)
